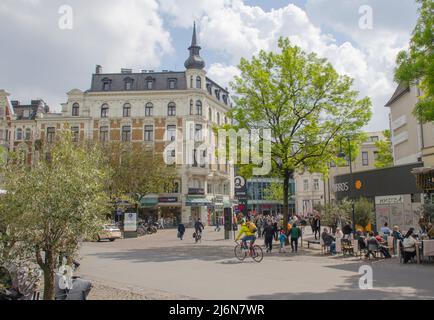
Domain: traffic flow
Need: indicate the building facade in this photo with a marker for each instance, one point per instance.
(165, 111)
(411, 140)
(260, 202)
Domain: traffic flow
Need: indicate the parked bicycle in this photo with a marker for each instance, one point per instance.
(254, 251)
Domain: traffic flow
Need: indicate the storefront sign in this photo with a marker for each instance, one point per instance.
(240, 187)
(168, 200)
(196, 191)
(341, 187)
(130, 222)
(389, 200)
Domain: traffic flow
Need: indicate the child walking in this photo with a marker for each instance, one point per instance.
(282, 239)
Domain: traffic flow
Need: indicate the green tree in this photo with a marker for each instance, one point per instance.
(335, 214)
(416, 66)
(364, 212)
(59, 201)
(135, 171)
(304, 102)
(385, 153)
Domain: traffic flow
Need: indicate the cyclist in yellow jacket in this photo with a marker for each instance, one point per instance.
(249, 234)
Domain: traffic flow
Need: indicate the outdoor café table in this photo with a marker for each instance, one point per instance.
(419, 246)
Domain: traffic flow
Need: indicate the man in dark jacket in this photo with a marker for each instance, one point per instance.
(181, 231)
(268, 235)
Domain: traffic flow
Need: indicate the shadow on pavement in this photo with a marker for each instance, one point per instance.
(391, 281)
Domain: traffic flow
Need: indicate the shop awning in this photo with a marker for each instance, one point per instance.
(198, 202)
(148, 202)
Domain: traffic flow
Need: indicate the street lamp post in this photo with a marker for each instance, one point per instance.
(342, 155)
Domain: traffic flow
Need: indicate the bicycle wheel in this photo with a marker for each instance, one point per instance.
(240, 254)
(257, 253)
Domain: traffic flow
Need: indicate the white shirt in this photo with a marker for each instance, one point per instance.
(409, 244)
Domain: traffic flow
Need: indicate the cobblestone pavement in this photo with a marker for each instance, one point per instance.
(162, 267)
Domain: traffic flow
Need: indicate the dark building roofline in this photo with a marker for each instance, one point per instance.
(399, 92)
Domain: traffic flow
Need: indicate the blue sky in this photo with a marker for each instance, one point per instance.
(39, 60)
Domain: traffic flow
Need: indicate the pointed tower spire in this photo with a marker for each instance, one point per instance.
(194, 61)
(194, 39)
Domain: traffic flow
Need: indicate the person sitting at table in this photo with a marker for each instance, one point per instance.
(397, 236)
(385, 230)
(382, 245)
(409, 245)
(359, 236)
(339, 234)
(347, 231)
(329, 241)
(430, 231)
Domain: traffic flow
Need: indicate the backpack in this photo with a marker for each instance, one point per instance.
(252, 227)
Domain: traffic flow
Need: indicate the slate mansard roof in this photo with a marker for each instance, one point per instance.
(139, 81)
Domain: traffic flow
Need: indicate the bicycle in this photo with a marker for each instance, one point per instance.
(254, 251)
(197, 236)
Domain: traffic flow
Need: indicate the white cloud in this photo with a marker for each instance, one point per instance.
(237, 30)
(45, 59)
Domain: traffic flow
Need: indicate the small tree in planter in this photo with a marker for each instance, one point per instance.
(364, 212)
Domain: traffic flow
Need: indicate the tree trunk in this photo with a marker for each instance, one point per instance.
(286, 178)
(49, 284)
(48, 265)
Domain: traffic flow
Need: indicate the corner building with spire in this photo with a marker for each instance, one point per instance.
(154, 109)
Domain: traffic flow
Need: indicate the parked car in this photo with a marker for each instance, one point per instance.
(110, 232)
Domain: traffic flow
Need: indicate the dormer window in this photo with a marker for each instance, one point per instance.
(208, 87)
(217, 94)
(149, 83)
(75, 110)
(198, 83)
(106, 84)
(128, 83)
(225, 99)
(172, 84)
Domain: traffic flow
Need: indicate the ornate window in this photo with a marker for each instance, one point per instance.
(51, 131)
(198, 83)
(191, 107)
(199, 107)
(171, 109)
(75, 110)
(149, 133)
(19, 134)
(75, 134)
(104, 134)
(28, 134)
(126, 133)
(149, 110)
(171, 133)
(127, 110)
(104, 110)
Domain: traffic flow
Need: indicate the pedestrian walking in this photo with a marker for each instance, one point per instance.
(217, 225)
(295, 234)
(282, 239)
(162, 223)
(268, 235)
(276, 231)
(181, 231)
